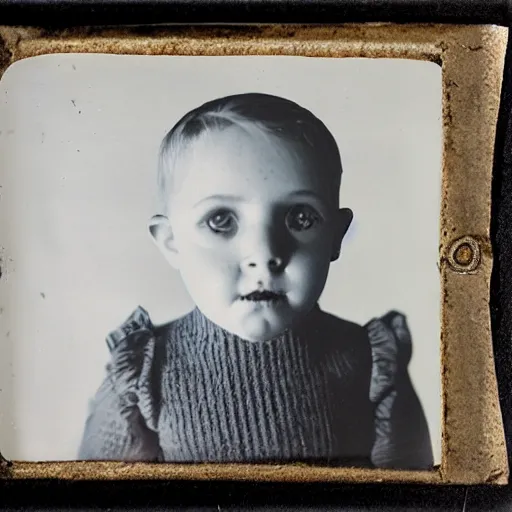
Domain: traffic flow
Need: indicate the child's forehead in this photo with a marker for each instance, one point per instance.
(248, 136)
(248, 171)
(256, 165)
(242, 149)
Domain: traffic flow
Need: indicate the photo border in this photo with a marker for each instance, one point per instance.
(472, 57)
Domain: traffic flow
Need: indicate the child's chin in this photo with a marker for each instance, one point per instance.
(260, 330)
(258, 322)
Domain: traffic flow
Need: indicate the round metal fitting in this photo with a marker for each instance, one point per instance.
(464, 255)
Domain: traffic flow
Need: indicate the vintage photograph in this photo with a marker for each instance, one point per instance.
(221, 259)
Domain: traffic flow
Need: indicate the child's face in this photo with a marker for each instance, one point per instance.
(252, 229)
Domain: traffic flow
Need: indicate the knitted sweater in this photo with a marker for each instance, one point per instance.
(190, 391)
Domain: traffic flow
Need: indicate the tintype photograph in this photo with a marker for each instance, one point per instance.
(221, 259)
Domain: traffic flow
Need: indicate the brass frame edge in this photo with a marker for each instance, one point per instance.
(473, 439)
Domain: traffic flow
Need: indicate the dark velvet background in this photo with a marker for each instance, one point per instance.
(59, 496)
(84, 12)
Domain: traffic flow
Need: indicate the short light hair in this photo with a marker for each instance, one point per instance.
(266, 113)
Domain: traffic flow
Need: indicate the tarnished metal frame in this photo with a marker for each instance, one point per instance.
(473, 445)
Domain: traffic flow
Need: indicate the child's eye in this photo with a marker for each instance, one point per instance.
(222, 221)
(302, 217)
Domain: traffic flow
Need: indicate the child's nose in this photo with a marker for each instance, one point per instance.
(266, 252)
(273, 263)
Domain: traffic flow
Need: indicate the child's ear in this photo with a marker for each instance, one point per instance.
(161, 232)
(343, 220)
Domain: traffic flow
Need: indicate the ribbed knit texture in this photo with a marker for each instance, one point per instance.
(190, 391)
(233, 400)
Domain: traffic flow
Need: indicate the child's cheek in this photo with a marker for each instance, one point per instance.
(315, 249)
(215, 261)
(308, 269)
(209, 277)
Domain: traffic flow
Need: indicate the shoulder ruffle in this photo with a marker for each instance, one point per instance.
(390, 341)
(133, 365)
(402, 438)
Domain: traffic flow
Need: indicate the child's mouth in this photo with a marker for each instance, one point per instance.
(263, 296)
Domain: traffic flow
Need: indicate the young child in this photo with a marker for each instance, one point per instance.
(257, 372)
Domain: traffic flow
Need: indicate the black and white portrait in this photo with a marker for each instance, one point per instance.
(221, 259)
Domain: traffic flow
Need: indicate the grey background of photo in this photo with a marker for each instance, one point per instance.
(79, 136)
